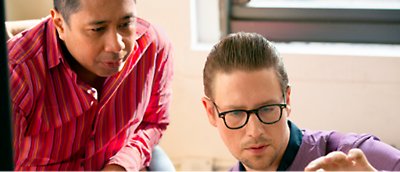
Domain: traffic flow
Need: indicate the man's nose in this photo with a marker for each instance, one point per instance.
(254, 127)
(114, 42)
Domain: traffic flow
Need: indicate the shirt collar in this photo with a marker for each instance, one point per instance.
(54, 53)
(295, 139)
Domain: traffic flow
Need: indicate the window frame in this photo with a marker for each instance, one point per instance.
(312, 23)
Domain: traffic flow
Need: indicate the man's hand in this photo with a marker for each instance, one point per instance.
(355, 160)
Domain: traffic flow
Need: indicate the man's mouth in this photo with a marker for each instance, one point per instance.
(257, 149)
(114, 63)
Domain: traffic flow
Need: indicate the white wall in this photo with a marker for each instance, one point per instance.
(342, 88)
(27, 9)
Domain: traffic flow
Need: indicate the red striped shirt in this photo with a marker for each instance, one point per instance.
(59, 124)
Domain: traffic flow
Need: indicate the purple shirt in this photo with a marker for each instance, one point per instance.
(315, 144)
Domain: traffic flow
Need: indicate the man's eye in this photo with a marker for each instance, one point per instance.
(98, 29)
(237, 113)
(265, 109)
(126, 25)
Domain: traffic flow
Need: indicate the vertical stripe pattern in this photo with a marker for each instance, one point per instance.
(58, 122)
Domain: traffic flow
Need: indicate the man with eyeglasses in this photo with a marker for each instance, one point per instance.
(248, 101)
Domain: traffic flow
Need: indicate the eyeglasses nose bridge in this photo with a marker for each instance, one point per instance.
(255, 111)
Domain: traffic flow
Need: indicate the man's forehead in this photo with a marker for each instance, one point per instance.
(246, 88)
(101, 21)
(103, 6)
(96, 15)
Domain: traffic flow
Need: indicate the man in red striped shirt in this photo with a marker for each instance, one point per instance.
(90, 86)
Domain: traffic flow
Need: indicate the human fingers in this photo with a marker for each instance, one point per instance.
(359, 160)
(315, 164)
(336, 157)
(333, 161)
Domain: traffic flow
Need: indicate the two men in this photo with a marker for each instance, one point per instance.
(248, 101)
(90, 88)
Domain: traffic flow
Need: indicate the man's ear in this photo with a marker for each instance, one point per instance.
(209, 107)
(288, 107)
(59, 23)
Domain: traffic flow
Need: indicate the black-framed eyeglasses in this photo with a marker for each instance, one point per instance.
(238, 118)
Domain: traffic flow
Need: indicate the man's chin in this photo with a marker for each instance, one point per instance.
(108, 73)
(260, 164)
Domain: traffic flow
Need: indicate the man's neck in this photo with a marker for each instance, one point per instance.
(82, 73)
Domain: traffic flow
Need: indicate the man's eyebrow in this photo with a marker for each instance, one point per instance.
(101, 22)
(240, 107)
(129, 16)
(268, 102)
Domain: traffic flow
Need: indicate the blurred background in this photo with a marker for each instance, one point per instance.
(349, 87)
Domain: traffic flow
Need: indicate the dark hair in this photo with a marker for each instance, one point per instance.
(66, 7)
(243, 51)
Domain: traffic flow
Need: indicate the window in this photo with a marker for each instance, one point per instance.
(349, 21)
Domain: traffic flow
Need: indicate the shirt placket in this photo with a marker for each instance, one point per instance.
(92, 95)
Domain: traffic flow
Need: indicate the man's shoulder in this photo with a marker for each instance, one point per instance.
(27, 60)
(148, 33)
(335, 140)
(315, 135)
(27, 44)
